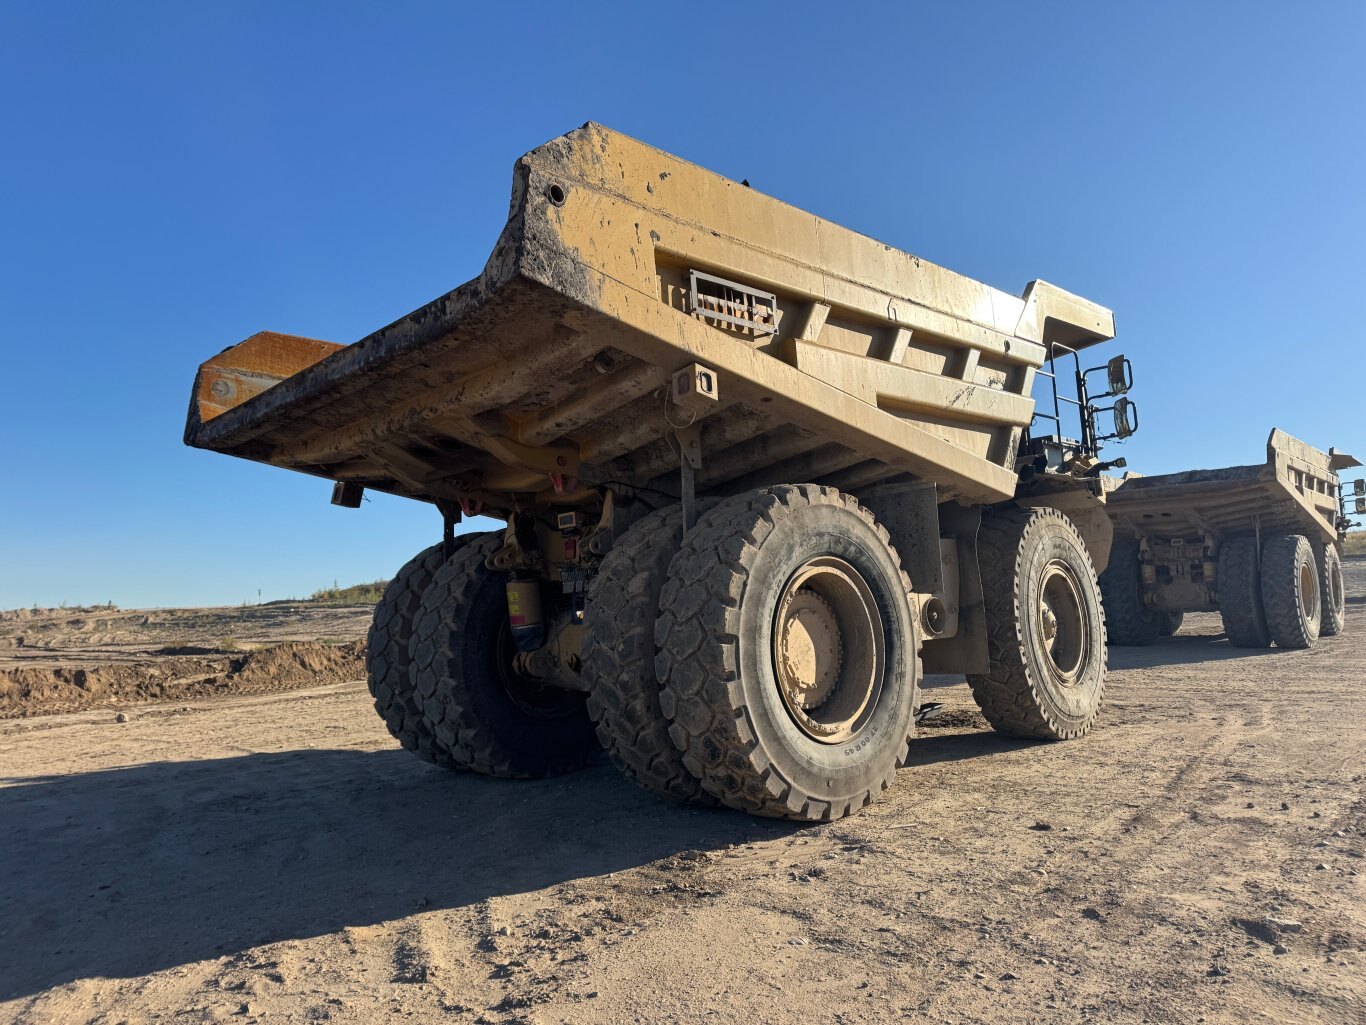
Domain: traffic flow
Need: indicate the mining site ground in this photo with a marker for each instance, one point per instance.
(274, 856)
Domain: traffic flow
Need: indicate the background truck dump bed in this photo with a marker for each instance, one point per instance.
(1294, 492)
(839, 359)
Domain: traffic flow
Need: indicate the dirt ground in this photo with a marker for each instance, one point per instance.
(65, 660)
(277, 858)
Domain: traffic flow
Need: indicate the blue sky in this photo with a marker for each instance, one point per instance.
(178, 176)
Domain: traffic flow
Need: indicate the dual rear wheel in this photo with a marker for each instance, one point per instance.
(1277, 595)
(766, 660)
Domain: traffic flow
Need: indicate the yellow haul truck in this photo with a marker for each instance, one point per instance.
(756, 470)
(1262, 544)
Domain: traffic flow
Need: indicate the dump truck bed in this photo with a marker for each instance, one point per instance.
(839, 359)
(1294, 492)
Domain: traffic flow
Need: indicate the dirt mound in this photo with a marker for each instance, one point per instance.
(42, 691)
(299, 663)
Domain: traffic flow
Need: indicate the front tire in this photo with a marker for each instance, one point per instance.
(491, 719)
(1290, 591)
(1045, 626)
(788, 654)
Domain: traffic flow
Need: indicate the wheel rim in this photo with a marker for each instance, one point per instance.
(1309, 591)
(828, 650)
(1061, 622)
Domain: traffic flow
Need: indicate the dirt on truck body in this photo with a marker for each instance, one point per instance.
(758, 472)
(1261, 544)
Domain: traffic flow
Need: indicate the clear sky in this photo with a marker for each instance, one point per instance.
(178, 176)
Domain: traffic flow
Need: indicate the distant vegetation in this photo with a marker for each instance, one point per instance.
(1355, 543)
(356, 594)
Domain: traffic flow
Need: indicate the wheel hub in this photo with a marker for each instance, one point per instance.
(1062, 622)
(1050, 624)
(828, 650)
(810, 649)
(1309, 591)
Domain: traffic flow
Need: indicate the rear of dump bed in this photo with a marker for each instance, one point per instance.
(1233, 540)
(756, 470)
(837, 358)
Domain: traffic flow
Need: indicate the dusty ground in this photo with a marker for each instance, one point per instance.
(62, 660)
(277, 859)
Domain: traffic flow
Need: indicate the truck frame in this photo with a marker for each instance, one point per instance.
(758, 472)
(1261, 544)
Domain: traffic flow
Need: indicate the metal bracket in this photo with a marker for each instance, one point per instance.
(450, 516)
(690, 449)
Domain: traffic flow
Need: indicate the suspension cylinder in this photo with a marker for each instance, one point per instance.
(524, 612)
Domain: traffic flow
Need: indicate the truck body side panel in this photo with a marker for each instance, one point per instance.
(839, 359)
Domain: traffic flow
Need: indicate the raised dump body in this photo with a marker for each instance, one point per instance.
(838, 358)
(743, 455)
(1246, 540)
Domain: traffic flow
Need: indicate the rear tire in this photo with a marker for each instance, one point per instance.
(1037, 577)
(798, 583)
(1290, 591)
(1333, 599)
(386, 656)
(490, 719)
(1169, 623)
(1128, 619)
(1240, 594)
(619, 657)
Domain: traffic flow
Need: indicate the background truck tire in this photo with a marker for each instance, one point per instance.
(1037, 577)
(752, 582)
(1128, 620)
(386, 655)
(1333, 595)
(1240, 594)
(489, 718)
(1290, 591)
(1169, 623)
(619, 656)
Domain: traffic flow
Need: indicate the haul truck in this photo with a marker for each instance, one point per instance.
(1262, 544)
(757, 472)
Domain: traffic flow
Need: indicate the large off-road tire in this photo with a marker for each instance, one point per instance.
(619, 656)
(1169, 623)
(1240, 594)
(1128, 619)
(1333, 594)
(386, 655)
(488, 717)
(1045, 626)
(1291, 594)
(787, 654)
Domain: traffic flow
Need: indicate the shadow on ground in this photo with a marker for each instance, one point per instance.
(1184, 649)
(128, 871)
(124, 872)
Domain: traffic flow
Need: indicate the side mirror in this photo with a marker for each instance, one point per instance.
(1120, 374)
(1359, 487)
(1361, 506)
(1126, 419)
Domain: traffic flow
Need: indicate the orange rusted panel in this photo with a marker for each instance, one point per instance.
(250, 367)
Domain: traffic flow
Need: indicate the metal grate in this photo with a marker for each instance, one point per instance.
(730, 302)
